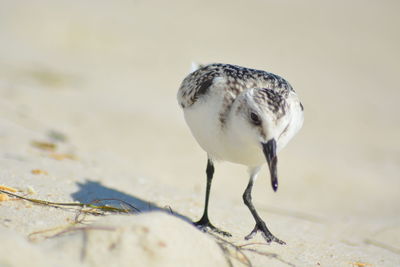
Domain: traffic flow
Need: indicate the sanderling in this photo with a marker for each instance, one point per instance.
(244, 116)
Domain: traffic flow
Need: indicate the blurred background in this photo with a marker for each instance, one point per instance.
(106, 74)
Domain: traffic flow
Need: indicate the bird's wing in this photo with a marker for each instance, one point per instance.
(234, 79)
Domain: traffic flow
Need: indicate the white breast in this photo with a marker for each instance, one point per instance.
(220, 143)
(202, 119)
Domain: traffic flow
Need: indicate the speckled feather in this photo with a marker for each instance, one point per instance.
(236, 79)
(196, 84)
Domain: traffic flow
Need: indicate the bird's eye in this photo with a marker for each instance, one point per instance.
(255, 119)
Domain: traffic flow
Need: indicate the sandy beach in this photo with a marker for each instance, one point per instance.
(88, 111)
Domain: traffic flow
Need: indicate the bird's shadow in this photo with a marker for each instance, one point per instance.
(90, 191)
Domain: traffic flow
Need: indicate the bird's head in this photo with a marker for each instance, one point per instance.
(260, 117)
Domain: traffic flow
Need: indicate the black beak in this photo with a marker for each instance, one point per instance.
(269, 150)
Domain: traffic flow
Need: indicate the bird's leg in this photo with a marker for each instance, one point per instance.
(260, 224)
(204, 222)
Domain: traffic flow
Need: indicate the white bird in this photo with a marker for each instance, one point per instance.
(244, 116)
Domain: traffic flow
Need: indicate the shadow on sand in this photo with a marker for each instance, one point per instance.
(90, 191)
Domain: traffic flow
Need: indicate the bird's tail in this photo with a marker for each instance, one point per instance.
(195, 66)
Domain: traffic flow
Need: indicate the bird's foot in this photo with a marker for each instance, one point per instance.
(205, 225)
(268, 236)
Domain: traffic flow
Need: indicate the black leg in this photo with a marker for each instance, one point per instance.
(260, 224)
(204, 222)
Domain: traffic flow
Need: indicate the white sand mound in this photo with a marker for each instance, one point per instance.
(148, 239)
(18, 251)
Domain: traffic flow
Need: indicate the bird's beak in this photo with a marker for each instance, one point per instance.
(269, 150)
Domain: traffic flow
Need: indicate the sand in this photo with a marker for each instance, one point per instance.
(98, 79)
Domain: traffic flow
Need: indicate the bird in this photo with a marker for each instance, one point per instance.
(244, 116)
